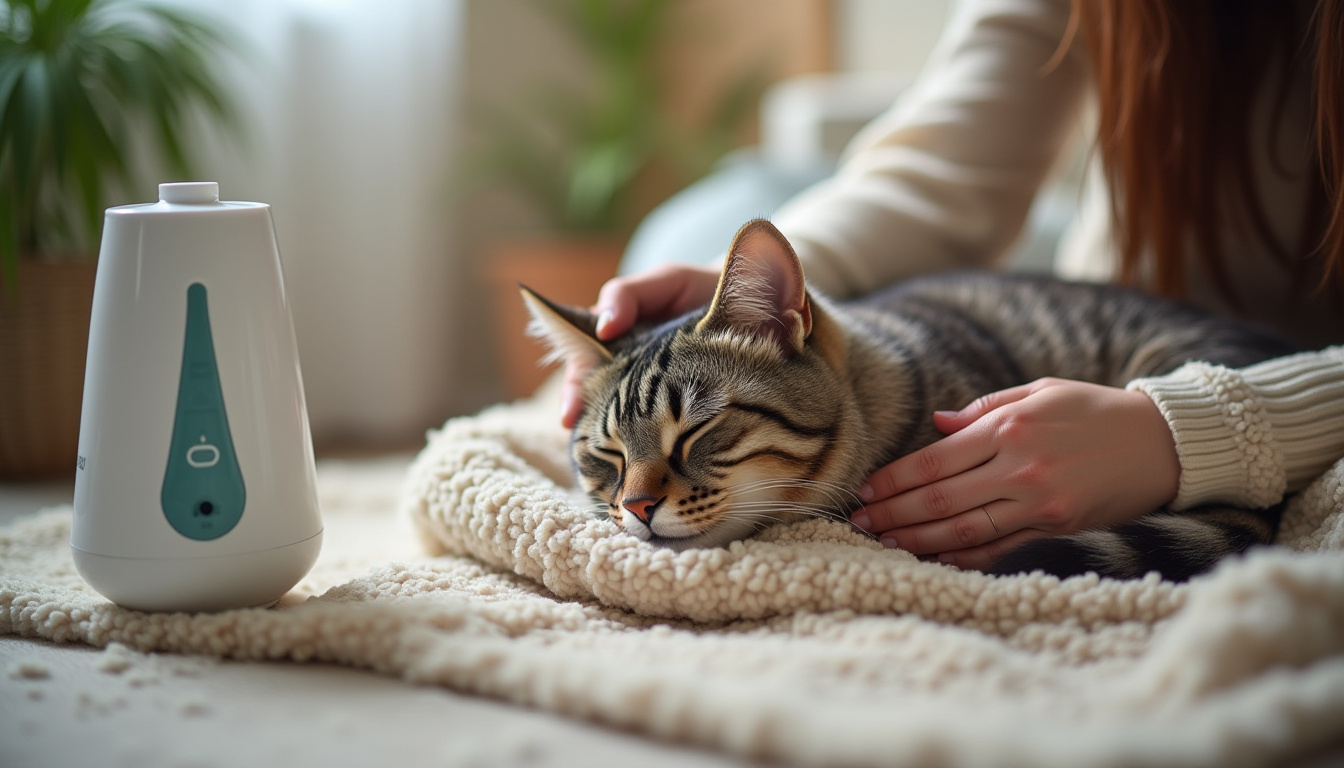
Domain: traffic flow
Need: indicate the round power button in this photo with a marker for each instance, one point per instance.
(202, 456)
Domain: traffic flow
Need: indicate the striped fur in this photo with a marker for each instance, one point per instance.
(773, 402)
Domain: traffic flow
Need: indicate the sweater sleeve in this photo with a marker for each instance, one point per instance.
(1247, 436)
(946, 177)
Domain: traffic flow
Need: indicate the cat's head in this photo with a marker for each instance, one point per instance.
(707, 428)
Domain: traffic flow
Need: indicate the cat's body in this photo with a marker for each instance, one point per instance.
(772, 404)
(938, 342)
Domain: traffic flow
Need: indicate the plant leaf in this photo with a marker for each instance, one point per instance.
(79, 80)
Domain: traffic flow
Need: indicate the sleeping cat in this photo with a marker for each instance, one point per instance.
(773, 402)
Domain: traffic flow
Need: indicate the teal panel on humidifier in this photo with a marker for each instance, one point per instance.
(203, 493)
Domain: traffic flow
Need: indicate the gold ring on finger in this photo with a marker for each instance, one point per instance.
(985, 509)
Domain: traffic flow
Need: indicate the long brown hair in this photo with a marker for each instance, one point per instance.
(1176, 82)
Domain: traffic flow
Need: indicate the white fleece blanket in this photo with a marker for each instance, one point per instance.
(808, 644)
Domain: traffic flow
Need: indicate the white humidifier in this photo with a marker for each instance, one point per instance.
(195, 488)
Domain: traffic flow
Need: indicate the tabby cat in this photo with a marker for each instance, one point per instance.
(773, 402)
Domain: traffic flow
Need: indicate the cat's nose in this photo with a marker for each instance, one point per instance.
(642, 506)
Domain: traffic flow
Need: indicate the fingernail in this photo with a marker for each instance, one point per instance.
(570, 414)
(866, 492)
(947, 414)
(890, 543)
(603, 320)
(947, 559)
(862, 521)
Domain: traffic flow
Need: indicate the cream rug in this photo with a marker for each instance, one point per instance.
(809, 644)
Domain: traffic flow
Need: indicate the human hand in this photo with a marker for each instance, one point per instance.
(660, 293)
(1042, 459)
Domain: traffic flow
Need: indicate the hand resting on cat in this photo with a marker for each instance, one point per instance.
(1041, 459)
(773, 403)
(1035, 451)
(661, 293)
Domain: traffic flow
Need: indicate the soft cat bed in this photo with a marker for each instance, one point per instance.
(808, 644)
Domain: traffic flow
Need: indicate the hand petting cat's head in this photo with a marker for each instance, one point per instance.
(705, 429)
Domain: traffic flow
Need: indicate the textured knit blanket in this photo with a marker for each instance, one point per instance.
(809, 644)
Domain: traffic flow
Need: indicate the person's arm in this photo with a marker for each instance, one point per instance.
(945, 178)
(942, 180)
(1246, 436)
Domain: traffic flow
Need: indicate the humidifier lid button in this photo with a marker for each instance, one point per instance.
(189, 192)
(202, 456)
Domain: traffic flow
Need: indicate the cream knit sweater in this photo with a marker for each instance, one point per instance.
(945, 180)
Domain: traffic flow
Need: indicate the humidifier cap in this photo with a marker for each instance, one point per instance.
(189, 192)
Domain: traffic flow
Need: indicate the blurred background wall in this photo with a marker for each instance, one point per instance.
(366, 121)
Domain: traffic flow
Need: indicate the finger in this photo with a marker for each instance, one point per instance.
(983, 557)
(950, 456)
(617, 308)
(658, 294)
(972, 528)
(936, 501)
(949, 422)
(571, 396)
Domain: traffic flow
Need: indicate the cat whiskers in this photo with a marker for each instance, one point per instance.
(841, 498)
(772, 510)
(762, 520)
(820, 510)
(599, 509)
(760, 514)
(758, 522)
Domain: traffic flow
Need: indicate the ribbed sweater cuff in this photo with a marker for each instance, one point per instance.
(1247, 436)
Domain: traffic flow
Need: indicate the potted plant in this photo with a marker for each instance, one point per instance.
(579, 153)
(81, 83)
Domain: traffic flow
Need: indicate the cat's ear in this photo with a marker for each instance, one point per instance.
(761, 291)
(570, 332)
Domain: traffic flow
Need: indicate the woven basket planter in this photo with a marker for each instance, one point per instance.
(44, 336)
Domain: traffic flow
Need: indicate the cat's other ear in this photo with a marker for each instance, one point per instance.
(761, 291)
(570, 332)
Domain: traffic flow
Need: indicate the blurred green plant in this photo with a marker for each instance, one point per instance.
(576, 152)
(80, 80)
